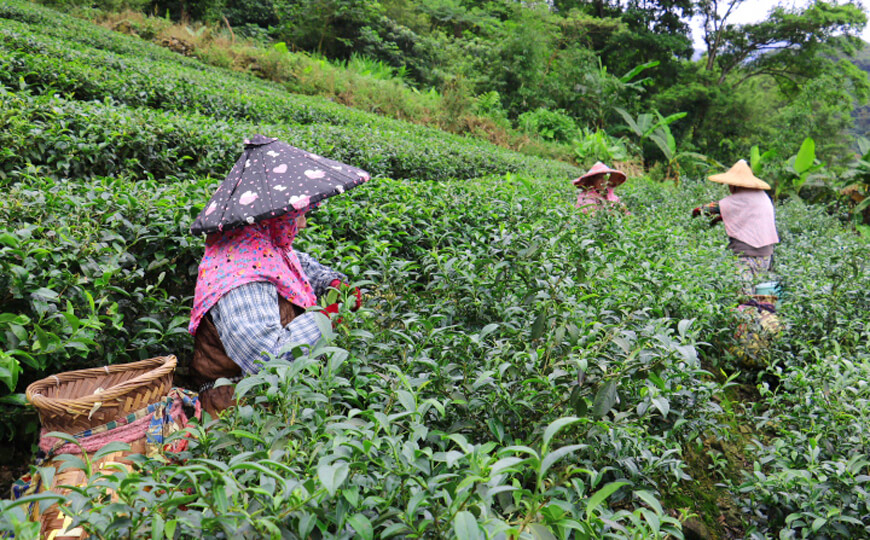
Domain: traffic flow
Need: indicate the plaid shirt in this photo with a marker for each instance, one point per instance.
(249, 323)
(319, 276)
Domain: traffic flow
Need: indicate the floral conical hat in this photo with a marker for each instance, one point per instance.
(616, 177)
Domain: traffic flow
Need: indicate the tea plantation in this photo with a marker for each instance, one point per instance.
(517, 370)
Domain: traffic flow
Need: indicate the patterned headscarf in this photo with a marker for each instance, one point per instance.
(259, 252)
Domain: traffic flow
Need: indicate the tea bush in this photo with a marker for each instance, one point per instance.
(77, 138)
(517, 370)
(90, 63)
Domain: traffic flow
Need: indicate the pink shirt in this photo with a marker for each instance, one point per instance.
(588, 201)
(748, 216)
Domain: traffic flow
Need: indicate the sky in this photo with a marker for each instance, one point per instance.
(755, 10)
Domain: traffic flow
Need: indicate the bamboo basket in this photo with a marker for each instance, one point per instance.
(53, 523)
(76, 401)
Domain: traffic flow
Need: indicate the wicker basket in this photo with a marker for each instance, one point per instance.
(56, 525)
(74, 401)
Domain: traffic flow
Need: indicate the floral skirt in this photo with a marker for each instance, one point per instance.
(752, 270)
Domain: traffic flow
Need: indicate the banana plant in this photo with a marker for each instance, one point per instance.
(665, 141)
(857, 184)
(757, 160)
(803, 167)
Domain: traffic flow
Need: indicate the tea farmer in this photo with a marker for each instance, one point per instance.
(596, 188)
(253, 289)
(249, 305)
(749, 219)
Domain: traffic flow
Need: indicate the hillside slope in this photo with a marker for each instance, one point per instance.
(517, 369)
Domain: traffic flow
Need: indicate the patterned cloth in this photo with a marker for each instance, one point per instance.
(588, 201)
(751, 270)
(154, 422)
(756, 333)
(249, 325)
(259, 252)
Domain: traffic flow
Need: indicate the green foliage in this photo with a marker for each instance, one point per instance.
(550, 125)
(517, 369)
(327, 27)
(592, 146)
(803, 164)
(856, 182)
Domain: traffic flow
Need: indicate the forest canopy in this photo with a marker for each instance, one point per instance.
(571, 57)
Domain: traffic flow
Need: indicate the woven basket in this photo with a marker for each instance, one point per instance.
(56, 525)
(74, 401)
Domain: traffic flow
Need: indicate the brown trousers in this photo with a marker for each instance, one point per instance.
(210, 361)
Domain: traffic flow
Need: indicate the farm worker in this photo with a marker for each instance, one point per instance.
(749, 220)
(596, 188)
(251, 294)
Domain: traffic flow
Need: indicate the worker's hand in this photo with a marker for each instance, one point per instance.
(339, 285)
(716, 220)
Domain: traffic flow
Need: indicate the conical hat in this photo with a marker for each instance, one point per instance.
(740, 175)
(616, 177)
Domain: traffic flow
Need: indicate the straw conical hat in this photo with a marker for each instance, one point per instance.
(740, 175)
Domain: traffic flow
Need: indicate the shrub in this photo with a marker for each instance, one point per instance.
(549, 125)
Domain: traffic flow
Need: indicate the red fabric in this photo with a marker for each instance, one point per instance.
(126, 433)
(337, 284)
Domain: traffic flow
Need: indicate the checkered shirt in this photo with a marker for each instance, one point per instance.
(249, 325)
(319, 276)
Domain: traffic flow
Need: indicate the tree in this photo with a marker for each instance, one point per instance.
(790, 45)
(328, 27)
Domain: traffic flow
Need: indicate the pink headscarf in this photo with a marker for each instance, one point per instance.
(591, 200)
(259, 252)
(749, 217)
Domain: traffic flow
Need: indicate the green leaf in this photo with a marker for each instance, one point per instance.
(806, 156)
(754, 159)
(170, 528)
(158, 526)
(465, 526)
(9, 240)
(506, 464)
(605, 399)
(636, 70)
(10, 368)
(541, 532)
(407, 400)
(650, 500)
(332, 476)
(114, 446)
(662, 404)
(45, 293)
(221, 502)
(556, 455)
(538, 325)
(362, 526)
(554, 428)
(601, 495)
